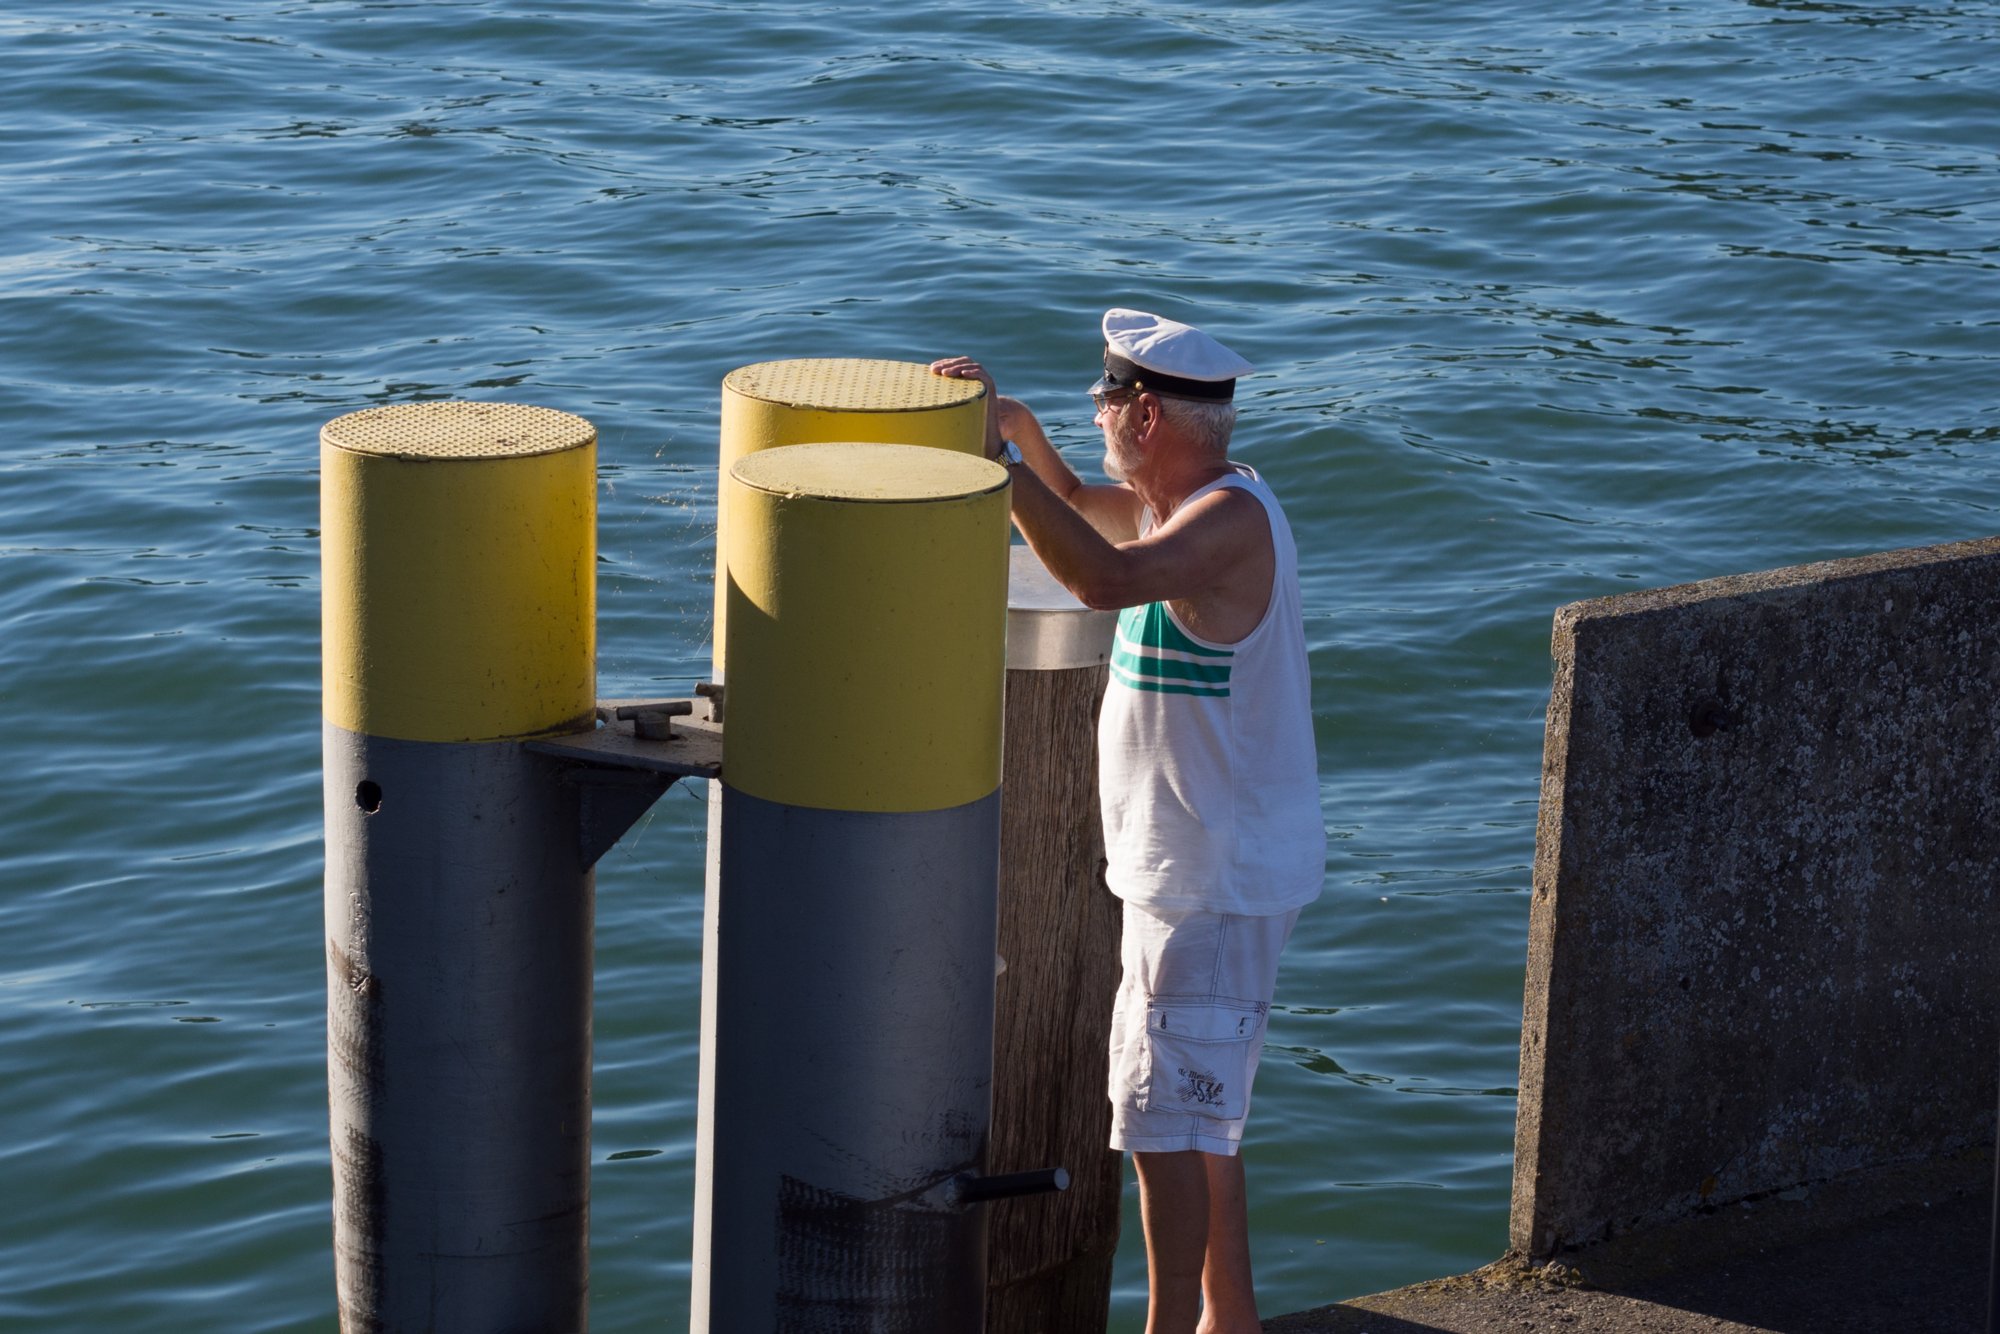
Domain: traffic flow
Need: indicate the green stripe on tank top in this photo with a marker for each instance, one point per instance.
(1149, 626)
(1158, 687)
(1215, 674)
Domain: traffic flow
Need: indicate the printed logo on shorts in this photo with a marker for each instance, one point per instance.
(1199, 1086)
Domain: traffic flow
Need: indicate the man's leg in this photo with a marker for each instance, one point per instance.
(1196, 1215)
(1174, 1206)
(1229, 1299)
(1202, 979)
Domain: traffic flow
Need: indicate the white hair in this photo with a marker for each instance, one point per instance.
(1207, 423)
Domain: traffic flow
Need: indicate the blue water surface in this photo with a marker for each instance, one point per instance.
(1548, 305)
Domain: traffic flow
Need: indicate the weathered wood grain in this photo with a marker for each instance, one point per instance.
(1049, 1256)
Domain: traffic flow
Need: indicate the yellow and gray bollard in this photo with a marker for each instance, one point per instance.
(772, 405)
(849, 1042)
(459, 544)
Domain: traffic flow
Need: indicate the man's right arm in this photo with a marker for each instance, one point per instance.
(1112, 510)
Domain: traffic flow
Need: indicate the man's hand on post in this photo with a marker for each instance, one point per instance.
(1015, 420)
(965, 368)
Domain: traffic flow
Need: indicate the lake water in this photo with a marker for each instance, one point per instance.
(1548, 305)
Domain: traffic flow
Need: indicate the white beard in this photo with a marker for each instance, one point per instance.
(1113, 468)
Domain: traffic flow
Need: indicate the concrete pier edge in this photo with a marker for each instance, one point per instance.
(1901, 1247)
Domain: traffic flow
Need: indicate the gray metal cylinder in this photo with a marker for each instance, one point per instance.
(851, 1040)
(1048, 630)
(459, 923)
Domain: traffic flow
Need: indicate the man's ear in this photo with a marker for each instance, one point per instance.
(1150, 405)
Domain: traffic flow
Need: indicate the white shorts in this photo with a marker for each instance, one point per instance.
(1188, 1026)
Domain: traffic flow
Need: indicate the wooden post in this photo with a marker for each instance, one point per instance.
(1049, 1256)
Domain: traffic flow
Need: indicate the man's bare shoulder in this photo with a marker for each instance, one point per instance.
(1228, 514)
(1228, 535)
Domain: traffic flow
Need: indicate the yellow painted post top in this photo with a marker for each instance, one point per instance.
(812, 400)
(867, 627)
(458, 550)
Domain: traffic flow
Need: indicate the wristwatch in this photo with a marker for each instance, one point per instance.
(1009, 455)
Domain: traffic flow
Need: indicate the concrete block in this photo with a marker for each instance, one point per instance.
(1763, 939)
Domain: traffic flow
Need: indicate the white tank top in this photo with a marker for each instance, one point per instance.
(1208, 769)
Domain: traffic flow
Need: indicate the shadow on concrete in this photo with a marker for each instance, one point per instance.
(1904, 1252)
(1918, 1269)
(1344, 1319)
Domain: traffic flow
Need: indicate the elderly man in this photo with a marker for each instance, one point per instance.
(1208, 769)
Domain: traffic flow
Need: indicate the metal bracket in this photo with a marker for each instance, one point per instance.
(635, 754)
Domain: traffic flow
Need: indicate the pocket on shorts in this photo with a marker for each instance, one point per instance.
(1199, 1056)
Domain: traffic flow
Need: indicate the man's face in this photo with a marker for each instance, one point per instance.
(1118, 418)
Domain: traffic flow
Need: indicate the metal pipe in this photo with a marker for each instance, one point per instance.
(1007, 1185)
(848, 996)
(770, 405)
(458, 616)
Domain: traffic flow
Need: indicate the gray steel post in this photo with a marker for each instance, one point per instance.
(852, 1067)
(458, 1030)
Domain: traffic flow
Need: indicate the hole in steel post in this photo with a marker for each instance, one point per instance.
(1709, 717)
(368, 796)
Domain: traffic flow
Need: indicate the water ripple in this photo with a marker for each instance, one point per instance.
(1549, 306)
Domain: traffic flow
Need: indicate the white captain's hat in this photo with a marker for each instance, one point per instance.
(1153, 354)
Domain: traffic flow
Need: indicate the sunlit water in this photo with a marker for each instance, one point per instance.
(1547, 307)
